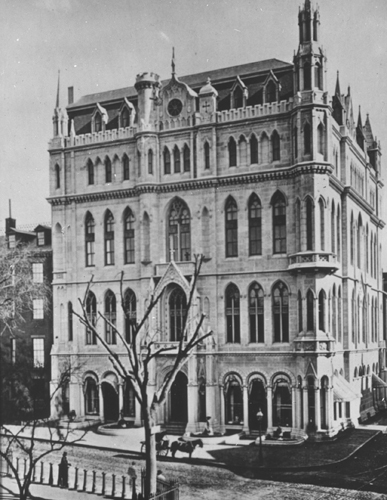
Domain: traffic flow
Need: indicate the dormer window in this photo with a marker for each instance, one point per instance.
(40, 238)
(271, 88)
(238, 98)
(126, 115)
(99, 119)
(97, 122)
(239, 94)
(271, 92)
(125, 118)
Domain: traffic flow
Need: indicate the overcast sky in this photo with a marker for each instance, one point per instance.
(103, 44)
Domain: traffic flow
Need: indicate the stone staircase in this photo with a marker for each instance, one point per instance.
(175, 428)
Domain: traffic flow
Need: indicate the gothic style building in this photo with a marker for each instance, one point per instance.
(260, 170)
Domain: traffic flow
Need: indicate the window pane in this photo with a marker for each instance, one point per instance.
(38, 352)
(37, 272)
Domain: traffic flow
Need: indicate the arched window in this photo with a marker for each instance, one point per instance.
(146, 238)
(307, 138)
(320, 139)
(110, 315)
(232, 152)
(339, 315)
(365, 320)
(233, 314)
(253, 150)
(276, 146)
(206, 239)
(255, 226)
(334, 313)
(353, 240)
(234, 401)
(309, 224)
(90, 172)
(358, 241)
(109, 239)
(366, 249)
(333, 232)
(177, 314)
(338, 233)
(150, 161)
(282, 402)
(187, 158)
(179, 231)
(310, 311)
(125, 167)
(318, 76)
(125, 118)
(238, 98)
(97, 122)
(91, 397)
(322, 224)
(321, 310)
(70, 321)
(295, 141)
(307, 76)
(264, 148)
(256, 313)
(271, 92)
(280, 305)
(206, 155)
(242, 150)
(176, 160)
(91, 312)
(353, 303)
(129, 250)
(300, 318)
(167, 161)
(57, 176)
(298, 225)
(231, 228)
(279, 224)
(108, 170)
(89, 239)
(130, 312)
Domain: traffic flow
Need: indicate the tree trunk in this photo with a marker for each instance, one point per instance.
(150, 453)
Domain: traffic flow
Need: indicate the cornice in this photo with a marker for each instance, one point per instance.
(196, 184)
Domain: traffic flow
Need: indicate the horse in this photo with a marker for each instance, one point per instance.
(186, 446)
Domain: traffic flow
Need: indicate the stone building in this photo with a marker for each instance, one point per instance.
(275, 182)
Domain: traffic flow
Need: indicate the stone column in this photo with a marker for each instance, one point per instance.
(192, 401)
(245, 408)
(100, 395)
(211, 405)
(317, 412)
(120, 400)
(269, 398)
(222, 409)
(306, 407)
(329, 407)
(294, 408)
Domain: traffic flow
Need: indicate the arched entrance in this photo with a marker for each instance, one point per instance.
(110, 402)
(178, 399)
(257, 401)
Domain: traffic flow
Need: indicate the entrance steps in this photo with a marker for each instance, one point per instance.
(175, 428)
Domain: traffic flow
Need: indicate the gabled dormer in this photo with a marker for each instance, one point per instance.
(238, 94)
(43, 235)
(99, 119)
(127, 114)
(271, 88)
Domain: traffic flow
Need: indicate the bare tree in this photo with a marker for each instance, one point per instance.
(140, 353)
(22, 440)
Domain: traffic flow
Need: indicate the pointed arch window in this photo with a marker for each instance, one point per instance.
(150, 161)
(177, 314)
(57, 176)
(130, 305)
(338, 234)
(352, 237)
(307, 76)
(279, 224)
(110, 315)
(233, 400)
(367, 250)
(358, 241)
(108, 170)
(334, 312)
(339, 315)
(333, 232)
(97, 122)
(146, 238)
(353, 304)
(231, 228)
(256, 313)
(295, 141)
(310, 311)
(179, 231)
(186, 158)
(125, 167)
(309, 224)
(253, 150)
(90, 172)
(125, 118)
(129, 240)
(298, 225)
(206, 156)
(320, 139)
(176, 160)
(91, 312)
(318, 76)
(255, 226)
(91, 397)
(238, 98)
(276, 146)
(232, 152)
(321, 310)
(233, 314)
(167, 161)
(322, 224)
(300, 318)
(280, 305)
(264, 148)
(89, 239)
(70, 330)
(271, 92)
(109, 239)
(307, 138)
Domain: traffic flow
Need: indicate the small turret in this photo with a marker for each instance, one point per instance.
(147, 86)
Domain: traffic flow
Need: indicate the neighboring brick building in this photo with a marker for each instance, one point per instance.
(256, 167)
(26, 344)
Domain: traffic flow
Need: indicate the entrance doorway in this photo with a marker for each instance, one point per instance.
(178, 395)
(257, 401)
(110, 402)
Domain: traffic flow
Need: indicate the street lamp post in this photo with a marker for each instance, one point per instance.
(259, 418)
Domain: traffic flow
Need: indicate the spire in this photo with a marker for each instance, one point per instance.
(57, 93)
(173, 61)
(337, 90)
(359, 120)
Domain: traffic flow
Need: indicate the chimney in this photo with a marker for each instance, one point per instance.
(70, 95)
(9, 223)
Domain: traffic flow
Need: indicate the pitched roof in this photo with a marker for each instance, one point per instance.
(194, 80)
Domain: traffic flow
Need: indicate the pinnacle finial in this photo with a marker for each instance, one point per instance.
(57, 93)
(173, 61)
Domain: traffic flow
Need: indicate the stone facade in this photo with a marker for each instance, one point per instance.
(259, 170)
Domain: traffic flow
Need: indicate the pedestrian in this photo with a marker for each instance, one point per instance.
(64, 472)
